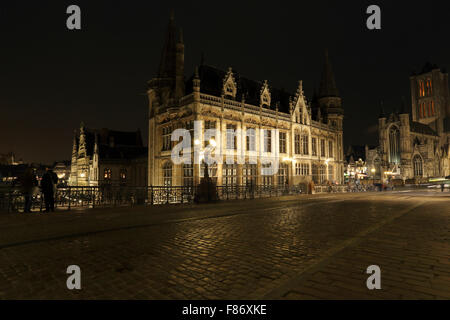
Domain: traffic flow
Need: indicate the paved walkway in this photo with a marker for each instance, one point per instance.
(296, 247)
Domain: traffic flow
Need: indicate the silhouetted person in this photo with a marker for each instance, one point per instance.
(442, 187)
(28, 182)
(48, 182)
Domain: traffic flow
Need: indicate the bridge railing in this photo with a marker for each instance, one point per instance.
(12, 199)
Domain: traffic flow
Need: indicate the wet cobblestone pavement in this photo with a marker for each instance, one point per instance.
(295, 247)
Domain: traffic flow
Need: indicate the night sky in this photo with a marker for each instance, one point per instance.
(51, 78)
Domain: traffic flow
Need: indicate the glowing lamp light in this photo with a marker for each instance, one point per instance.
(373, 170)
(212, 142)
(82, 175)
(197, 142)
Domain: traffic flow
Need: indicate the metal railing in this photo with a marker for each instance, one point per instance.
(13, 200)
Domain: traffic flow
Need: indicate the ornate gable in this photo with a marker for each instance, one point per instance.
(229, 85)
(265, 95)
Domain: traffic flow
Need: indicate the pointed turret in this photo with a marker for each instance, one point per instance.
(168, 55)
(82, 145)
(328, 84)
(169, 81)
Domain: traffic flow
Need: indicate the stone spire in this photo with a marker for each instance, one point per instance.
(328, 84)
(167, 65)
(82, 146)
(74, 146)
(96, 144)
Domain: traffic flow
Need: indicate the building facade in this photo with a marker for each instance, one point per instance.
(108, 157)
(254, 123)
(414, 144)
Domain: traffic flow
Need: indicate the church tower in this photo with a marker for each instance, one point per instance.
(430, 97)
(329, 104)
(167, 87)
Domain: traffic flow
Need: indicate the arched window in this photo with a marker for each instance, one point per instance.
(418, 166)
(167, 174)
(394, 145)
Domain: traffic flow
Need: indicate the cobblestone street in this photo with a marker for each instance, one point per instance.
(294, 247)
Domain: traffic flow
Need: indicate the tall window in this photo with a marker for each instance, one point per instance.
(322, 173)
(249, 174)
(330, 173)
(429, 89)
(330, 149)
(305, 169)
(231, 137)
(282, 142)
(166, 134)
(209, 125)
(315, 173)
(297, 144)
(394, 145)
(267, 141)
(251, 139)
(189, 125)
(167, 174)
(322, 148)
(432, 108)
(298, 169)
(418, 167)
(267, 180)
(314, 146)
(229, 174)
(188, 175)
(283, 174)
(421, 89)
(305, 144)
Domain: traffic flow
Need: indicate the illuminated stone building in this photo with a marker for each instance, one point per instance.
(414, 144)
(306, 137)
(108, 157)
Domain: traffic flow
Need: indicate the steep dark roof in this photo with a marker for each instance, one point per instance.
(114, 144)
(422, 128)
(211, 82)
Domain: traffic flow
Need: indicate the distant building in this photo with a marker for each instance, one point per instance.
(9, 159)
(108, 157)
(414, 144)
(62, 170)
(361, 163)
(305, 137)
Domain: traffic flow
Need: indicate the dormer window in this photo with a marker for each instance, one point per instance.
(229, 85)
(265, 95)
